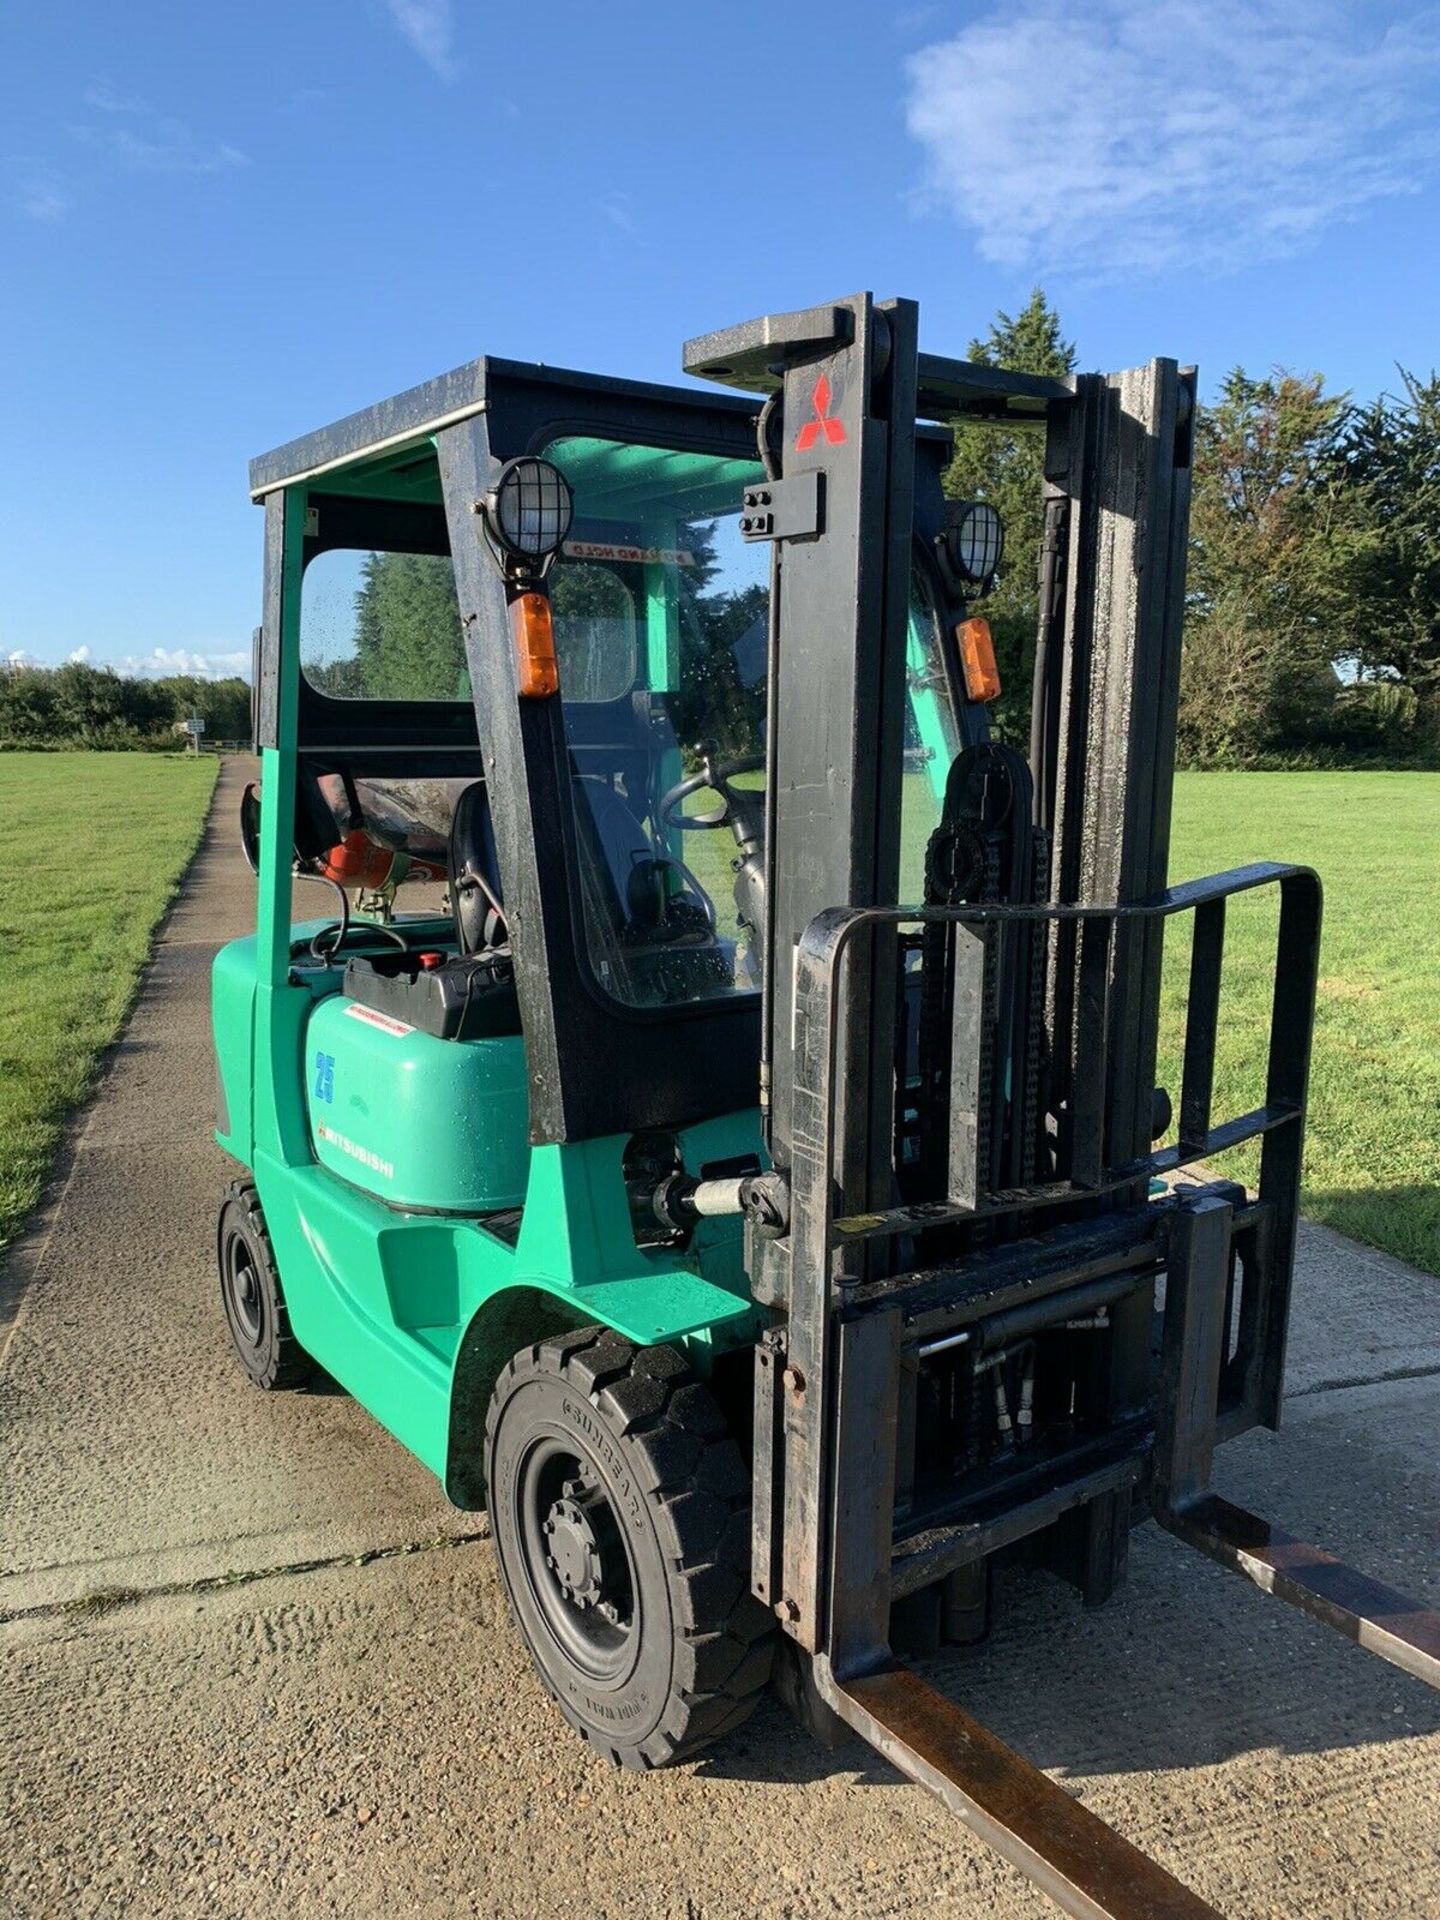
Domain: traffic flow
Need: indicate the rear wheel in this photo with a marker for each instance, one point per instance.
(251, 1295)
(620, 1508)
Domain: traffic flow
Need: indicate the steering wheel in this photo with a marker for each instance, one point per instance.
(717, 775)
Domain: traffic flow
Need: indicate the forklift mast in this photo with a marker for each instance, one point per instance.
(1117, 488)
(972, 1226)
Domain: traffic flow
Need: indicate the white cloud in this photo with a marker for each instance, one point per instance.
(1114, 136)
(134, 137)
(222, 664)
(619, 210)
(110, 100)
(39, 192)
(429, 26)
(164, 146)
(129, 137)
(166, 660)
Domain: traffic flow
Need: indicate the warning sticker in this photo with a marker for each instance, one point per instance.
(639, 556)
(374, 1019)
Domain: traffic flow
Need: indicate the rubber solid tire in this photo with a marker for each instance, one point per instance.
(675, 1480)
(269, 1352)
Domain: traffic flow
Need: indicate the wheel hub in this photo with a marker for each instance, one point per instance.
(572, 1549)
(244, 1289)
(578, 1562)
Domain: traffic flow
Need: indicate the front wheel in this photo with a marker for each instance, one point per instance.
(620, 1508)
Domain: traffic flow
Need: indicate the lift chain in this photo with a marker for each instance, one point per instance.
(1035, 1011)
(985, 851)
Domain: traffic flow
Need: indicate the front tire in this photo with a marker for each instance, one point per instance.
(252, 1297)
(620, 1508)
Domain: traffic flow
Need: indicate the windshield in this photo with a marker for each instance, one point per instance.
(661, 619)
(662, 628)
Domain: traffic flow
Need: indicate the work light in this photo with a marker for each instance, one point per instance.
(975, 536)
(528, 511)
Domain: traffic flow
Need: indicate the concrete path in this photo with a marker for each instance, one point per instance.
(254, 1665)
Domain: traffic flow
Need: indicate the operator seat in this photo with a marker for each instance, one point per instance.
(627, 860)
(618, 845)
(471, 861)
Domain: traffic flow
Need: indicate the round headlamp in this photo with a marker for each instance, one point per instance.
(529, 509)
(976, 539)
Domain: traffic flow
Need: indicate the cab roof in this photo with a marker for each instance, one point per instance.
(409, 418)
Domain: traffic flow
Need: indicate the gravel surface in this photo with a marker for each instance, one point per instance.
(255, 1665)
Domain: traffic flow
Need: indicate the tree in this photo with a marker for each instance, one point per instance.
(27, 704)
(409, 644)
(80, 705)
(90, 703)
(1267, 573)
(1389, 459)
(224, 705)
(1008, 469)
(341, 679)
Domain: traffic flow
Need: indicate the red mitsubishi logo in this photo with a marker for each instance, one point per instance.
(834, 430)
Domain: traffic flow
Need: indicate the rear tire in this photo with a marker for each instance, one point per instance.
(252, 1297)
(620, 1509)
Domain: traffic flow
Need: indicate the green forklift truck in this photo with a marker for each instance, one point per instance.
(742, 1170)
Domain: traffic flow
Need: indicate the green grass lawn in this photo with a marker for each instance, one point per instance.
(1372, 1164)
(91, 848)
(1373, 1158)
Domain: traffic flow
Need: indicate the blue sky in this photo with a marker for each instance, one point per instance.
(221, 225)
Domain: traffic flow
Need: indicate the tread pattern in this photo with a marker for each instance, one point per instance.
(683, 1452)
(290, 1366)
